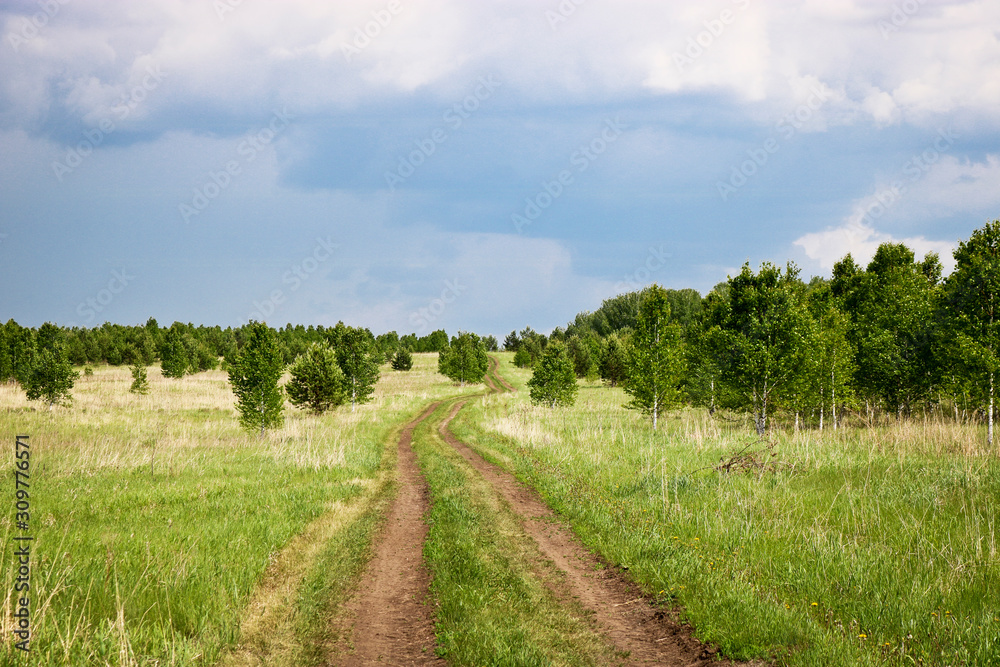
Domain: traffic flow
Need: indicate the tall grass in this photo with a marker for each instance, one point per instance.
(855, 547)
(155, 518)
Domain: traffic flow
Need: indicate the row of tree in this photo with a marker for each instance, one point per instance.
(184, 348)
(891, 337)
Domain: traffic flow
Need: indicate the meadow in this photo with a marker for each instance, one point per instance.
(861, 546)
(166, 535)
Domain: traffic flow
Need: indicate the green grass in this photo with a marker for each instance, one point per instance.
(875, 547)
(495, 600)
(155, 518)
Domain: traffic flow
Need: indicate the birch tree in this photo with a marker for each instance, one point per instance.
(972, 299)
(655, 358)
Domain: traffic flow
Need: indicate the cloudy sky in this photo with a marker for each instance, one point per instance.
(480, 165)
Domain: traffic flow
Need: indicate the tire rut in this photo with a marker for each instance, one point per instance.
(393, 617)
(645, 634)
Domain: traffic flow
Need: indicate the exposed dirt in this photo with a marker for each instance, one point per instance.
(495, 367)
(645, 634)
(393, 619)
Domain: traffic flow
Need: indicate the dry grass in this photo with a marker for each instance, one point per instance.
(158, 521)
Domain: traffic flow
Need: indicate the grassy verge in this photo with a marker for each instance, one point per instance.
(496, 603)
(872, 547)
(158, 523)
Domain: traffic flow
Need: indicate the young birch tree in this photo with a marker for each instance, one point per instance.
(972, 298)
(655, 360)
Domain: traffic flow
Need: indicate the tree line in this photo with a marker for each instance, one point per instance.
(893, 337)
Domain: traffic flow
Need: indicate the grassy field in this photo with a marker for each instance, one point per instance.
(860, 547)
(164, 535)
(496, 604)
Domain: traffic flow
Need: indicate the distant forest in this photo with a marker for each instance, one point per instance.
(895, 336)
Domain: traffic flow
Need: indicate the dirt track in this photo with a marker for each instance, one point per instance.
(392, 612)
(648, 635)
(394, 623)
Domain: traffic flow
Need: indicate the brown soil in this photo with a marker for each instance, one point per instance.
(393, 620)
(495, 367)
(646, 634)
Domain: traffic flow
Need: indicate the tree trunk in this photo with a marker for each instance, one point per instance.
(989, 419)
(822, 409)
(833, 401)
(655, 408)
(796, 421)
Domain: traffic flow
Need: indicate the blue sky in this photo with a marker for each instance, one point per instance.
(418, 164)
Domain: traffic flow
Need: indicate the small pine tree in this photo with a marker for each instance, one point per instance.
(174, 359)
(358, 358)
(554, 379)
(613, 360)
(317, 382)
(522, 358)
(403, 361)
(140, 383)
(50, 375)
(254, 375)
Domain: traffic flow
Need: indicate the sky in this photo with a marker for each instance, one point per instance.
(479, 165)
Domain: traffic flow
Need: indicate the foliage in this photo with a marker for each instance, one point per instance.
(654, 360)
(760, 336)
(316, 383)
(140, 381)
(465, 359)
(613, 361)
(254, 376)
(522, 358)
(491, 344)
(972, 309)
(891, 306)
(579, 351)
(51, 377)
(174, 359)
(402, 361)
(554, 379)
(359, 359)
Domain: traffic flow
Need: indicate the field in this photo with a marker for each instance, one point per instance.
(860, 547)
(164, 535)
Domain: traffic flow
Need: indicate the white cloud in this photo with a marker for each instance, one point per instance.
(861, 241)
(945, 58)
